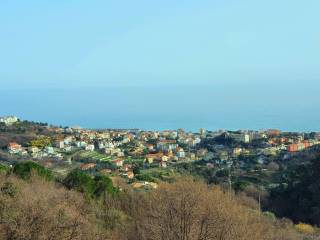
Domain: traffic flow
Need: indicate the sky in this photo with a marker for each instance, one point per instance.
(162, 64)
(66, 44)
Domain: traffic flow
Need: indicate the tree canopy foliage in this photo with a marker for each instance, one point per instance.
(299, 196)
(26, 169)
(96, 186)
(41, 142)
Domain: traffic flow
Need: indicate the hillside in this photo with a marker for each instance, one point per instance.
(36, 206)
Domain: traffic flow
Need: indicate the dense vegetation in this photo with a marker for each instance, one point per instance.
(26, 169)
(299, 196)
(85, 207)
(92, 187)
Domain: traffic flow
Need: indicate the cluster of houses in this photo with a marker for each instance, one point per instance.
(34, 152)
(159, 148)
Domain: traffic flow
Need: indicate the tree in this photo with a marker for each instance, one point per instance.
(103, 185)
(26, 169)
(41, 142)
(189, 209)
(136, 169)
(95, 187)
(80, 181)
(38, 210)
(299, 196)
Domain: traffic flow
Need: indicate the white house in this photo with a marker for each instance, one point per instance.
(8, 120)
(181, 153)
(240, 137)
(166, 145)
(90, 147)
(59, 144)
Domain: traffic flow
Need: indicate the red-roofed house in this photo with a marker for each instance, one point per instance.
(14, 147)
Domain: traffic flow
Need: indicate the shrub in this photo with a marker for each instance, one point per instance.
(9, 189)
(4, 168)
(41, 211)
(270, 215)
(145, 177)
(26, 169)
(305, 228)
(189, 209)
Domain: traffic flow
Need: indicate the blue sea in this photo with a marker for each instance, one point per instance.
(169, 107)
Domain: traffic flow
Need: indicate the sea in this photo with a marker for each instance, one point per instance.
(168, 107)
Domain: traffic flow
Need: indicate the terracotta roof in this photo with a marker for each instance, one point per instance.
(87, 166)
(14, 145)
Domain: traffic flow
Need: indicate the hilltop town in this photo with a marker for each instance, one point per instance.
(142, 158)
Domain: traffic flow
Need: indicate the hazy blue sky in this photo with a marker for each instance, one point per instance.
(162, 64)
(65, 43)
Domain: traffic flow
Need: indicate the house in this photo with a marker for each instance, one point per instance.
(166, 145)
(14, 147)
(136, 151)
(240, 137)
(8, 120)
(68, 140)
(153, 156)
(33, 150)
(202, 132)
(273, 132)
(181, 153)
(130, 175)
(89, 147)
(81, 144)
(118, 162)
(164, 158)
(23, 152)
(112, 151)
(150, 147)
(49, 150)
(163, 164)
(59, 144)
(109, 145)
(296, 147)
(101, 145)
(237, 151)
(87, 166)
